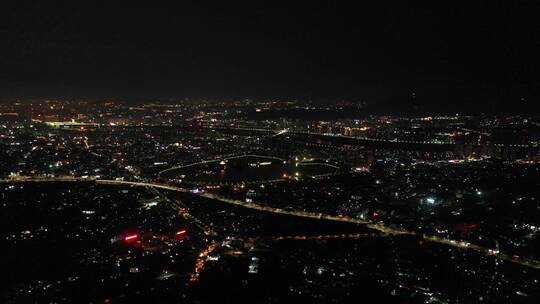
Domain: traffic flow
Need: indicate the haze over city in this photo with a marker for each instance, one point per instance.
(270, 152)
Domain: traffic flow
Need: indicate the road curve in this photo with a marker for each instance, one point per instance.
(379, 227)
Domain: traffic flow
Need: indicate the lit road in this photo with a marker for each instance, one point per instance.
(201, 262)
(183, 211)
(376, 226)
(349, 236)
(211, 161)
(266, 181)
(365, 140)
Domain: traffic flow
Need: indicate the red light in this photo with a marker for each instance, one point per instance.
(131, 237)
(181, 232)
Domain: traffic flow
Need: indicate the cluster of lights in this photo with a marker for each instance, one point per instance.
(430, 200)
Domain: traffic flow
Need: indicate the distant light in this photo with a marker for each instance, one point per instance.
(479, 192)
(181, 232)
(472, 226)
(430, 200)
(131, 237)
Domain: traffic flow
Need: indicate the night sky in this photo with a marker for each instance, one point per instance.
(461, 53)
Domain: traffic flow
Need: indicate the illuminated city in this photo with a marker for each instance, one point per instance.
(271, 198)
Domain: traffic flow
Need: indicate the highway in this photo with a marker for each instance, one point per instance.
(364, 140)
(183, 211)
(376, 226)
(343, 236)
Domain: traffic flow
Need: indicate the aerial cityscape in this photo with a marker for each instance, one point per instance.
(266, 190)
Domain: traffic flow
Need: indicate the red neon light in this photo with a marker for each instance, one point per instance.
(131, 237)
(181, 232)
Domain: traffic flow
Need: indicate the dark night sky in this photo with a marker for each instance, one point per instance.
(461, 52)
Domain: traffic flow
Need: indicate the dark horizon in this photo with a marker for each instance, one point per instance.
(316, 152)
(472, 55)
